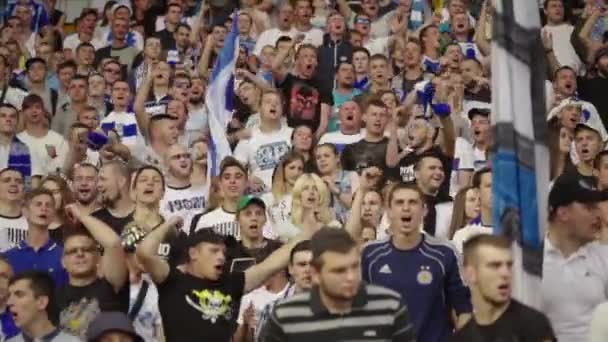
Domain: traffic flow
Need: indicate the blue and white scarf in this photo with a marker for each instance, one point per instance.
(19, 159)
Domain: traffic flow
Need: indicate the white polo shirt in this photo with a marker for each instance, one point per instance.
(572, 287)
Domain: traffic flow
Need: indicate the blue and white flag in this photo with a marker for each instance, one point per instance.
(521, 164)
(219, 100)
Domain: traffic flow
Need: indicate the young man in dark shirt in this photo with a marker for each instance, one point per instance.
(307, 101)
(497, 317)
(198, 300)
(113, 186)
(87, 293)
(371, 150)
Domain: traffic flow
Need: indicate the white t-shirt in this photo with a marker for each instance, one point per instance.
(263, 152)
(51, 149)
(259, 297)
(340, 139)
(469, 157)
(278, 213)
(221, 221)
(12, 231)
(562, 47)
(313, 36)
(148, 317)
(184, 202)
(72, 41)
(467, 232)
(270, 37)
(572, 287)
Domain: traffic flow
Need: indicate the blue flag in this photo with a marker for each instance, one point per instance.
(219, 100)
(521, 164)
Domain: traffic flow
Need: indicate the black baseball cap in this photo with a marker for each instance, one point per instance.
(570, 187)
(478, 111)
(111, 321)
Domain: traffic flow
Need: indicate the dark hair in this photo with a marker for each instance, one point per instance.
(80, 78)
(562, 68)
(424, 156)
(30, 62)
(598, 159)
(301, 246)
(403, 186)
(182, 25)
(139, 171)
(12, 169)
(76, 231)
(477, 176)
(41, 285)
(470, 246)
(9, 106)
(283, 39)
(231, 162)
(31, 100)
(330, 240)
(83, 45)
(305, 47)
(378, 57)
(423, 34)
(376, 103)
(67, 64)
(29, 196)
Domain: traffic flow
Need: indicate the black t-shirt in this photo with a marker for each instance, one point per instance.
(519, 323)
(239, 257)
(405, 171)
(364, 152)
(594, 91)
(116, 223)
(483, 95)
(79, 305)
(195, 309)
(303, 99)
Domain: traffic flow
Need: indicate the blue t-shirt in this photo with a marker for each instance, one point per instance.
(428, 279)
(47, 259)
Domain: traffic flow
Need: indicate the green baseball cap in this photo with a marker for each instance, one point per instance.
(247, 200)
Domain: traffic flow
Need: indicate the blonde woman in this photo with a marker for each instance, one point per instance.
(310, 206)
(278, 202)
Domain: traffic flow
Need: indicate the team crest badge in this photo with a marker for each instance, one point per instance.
(424, 277)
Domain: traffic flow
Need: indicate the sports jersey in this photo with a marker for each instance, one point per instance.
(428, 279)
(223, 222)
(263, 151)
(184, 202)
(12, 231)
(125, 125)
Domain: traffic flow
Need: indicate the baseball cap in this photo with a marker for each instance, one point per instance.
(248, 200)
(586, 126)
(569, 188)
(111, 321)
(478, 111)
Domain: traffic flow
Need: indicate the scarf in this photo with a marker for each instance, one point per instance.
(417, 15)
(19, 159)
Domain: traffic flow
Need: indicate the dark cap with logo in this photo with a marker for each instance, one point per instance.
(569, 188)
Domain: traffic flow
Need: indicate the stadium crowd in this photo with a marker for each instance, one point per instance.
(356, 204)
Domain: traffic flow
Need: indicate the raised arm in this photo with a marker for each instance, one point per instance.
(147, 251)
(143, 119)
(278, 71)
(113, 263)
(203, 65)
(256, 275)
(353, 223)
(480, 33)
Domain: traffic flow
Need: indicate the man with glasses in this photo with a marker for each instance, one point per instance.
(87, 293)
(181, 197)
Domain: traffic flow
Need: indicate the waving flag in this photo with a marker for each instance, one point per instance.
(521, 164)
(219, 99)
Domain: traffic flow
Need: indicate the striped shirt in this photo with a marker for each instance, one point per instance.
(376, 315)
